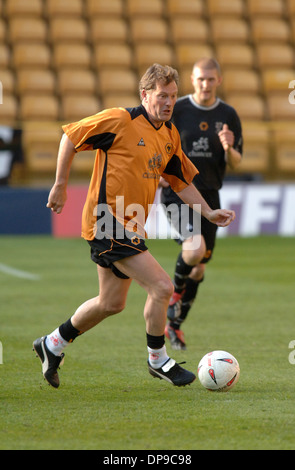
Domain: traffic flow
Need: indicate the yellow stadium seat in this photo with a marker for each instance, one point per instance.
(146, 54)
(189, 30)
(36, 107)
(23, 8)
(36, 81)
(103, 8)
(68, 29)
(4, 56)
(112, 55)
(277, 79)
(41, 142)
(27, 54)
(145, 8)
(185, 81)
(235, 81)
(284, 147)
(123, 100)
(270, 30)
(108, 29)
(248, 106)
(75, 80)
(235, 55)
(187, 54)
(9, 110)
(279, 107)
(74, 108)
(225, 7)
(7, 79)
(256, 148)
(290, 5)
(71, 55)
(64, 8)
(265, 8)
(275, 55)
(148, 29)
(235, 30)
(191, 8)
(27, 29)
(117, 80)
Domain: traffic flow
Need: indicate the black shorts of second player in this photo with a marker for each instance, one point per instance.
(207, 230)
(106, 251)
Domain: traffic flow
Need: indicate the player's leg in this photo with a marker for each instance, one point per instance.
(148, 273)
(50, 347)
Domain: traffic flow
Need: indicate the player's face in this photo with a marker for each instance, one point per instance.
(205, 83)
(159, 103)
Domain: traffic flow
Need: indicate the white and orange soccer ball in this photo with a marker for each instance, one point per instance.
(218, 371)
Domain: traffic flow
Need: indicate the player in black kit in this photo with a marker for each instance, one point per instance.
(211, 137)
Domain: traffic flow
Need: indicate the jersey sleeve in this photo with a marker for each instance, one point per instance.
(236, 126)
(95, 132)
(179, 171)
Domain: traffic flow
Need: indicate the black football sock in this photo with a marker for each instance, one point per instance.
(68, 331)
(191, 290)
(182, 271)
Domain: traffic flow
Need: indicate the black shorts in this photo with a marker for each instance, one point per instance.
(207, 229)
(107, 250)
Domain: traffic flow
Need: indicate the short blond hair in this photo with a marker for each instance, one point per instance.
(207, 64)
(157, 73)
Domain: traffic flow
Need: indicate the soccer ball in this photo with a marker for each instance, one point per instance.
(218, 371)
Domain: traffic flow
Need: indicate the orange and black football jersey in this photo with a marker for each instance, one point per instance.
(131, 156)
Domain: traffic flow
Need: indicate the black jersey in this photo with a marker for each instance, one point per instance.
(198, 127)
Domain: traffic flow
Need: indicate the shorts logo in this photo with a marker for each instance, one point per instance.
(135, 240)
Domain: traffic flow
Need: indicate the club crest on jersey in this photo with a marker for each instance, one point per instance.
(168, 148)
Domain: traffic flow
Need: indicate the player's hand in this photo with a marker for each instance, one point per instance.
(222, 217)
(57, 199)
(226, 137)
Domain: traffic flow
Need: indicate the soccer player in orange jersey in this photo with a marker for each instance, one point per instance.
(134, 147)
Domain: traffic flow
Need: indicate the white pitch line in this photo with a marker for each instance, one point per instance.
(18, 273)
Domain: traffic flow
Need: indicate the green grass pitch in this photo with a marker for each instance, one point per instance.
(107, 399)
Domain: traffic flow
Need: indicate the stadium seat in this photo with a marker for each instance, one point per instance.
(144, 8)
(187, 54)
(36, 81)
(284, 147)
(9, 110)
(27, 29)
(189, 30)
(68, 29)
(277, 79)
(190, 8)
(102, 8)
(112, 55)
(4, 56)
(3, 32)
(290, 7)
(23, 8)
(7, 79)
(36, 107)
(249, 107)
(71, 55)
(275, 55)
(75, 80)
(235, 81)
(41, 142)
(225, 7)
(240, 56)
(270, 30)
(234, 30)
(185, 82)
(75, 107)
(279, 108)
(256, 148)
(148, 29)
(27, 54)
(117, 80)
(265, 8)
(124, 100)
(109, 30)
(64, 8)
(147, 54)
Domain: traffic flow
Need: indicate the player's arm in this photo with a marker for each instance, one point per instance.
(227, 138)
(221, 217)
(58, 194)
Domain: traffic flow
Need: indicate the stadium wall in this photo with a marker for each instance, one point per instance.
(260, 209)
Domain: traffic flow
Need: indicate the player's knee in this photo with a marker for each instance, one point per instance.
(111, 307)
(164, 288)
